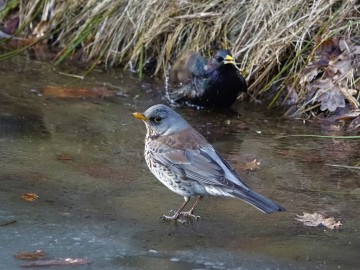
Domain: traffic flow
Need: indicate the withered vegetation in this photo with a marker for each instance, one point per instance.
(292, 51)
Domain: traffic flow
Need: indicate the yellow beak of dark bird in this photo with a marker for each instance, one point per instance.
(229, 60)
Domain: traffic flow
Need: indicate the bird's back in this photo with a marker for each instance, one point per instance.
(222, 87)
(196, 82)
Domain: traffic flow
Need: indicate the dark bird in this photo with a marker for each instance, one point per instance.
(209, 84)
(188, 165)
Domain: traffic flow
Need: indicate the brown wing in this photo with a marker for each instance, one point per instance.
(195, 159)
(189, 154)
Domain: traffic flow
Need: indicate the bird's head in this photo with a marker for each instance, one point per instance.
(161, 120)
(222, 57)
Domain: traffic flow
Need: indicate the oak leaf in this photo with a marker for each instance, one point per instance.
(318, 220)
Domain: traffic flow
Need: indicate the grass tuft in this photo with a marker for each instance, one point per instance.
(272, 40)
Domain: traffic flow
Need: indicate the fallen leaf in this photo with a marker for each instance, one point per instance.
(29, 197)
(349, 116)
(318, 220)
(30, 255)
(64, 156)
(8, 223)
(76, 92)
(343, 45)
(249, 166)
(57, 262)
(344, 66)
(355, 124)
(309, 74)
(328, 48)
(322, 85)
(348, 93)
(329, 76)
(355, 50)
(332, 99)
(11, 25)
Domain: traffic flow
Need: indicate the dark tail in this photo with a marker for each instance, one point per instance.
(260, 202)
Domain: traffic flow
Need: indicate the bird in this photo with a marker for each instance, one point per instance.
(182, 159)
(215, 83)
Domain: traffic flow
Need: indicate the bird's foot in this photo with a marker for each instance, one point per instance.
(176, 219)
(185, 217)
(189, 215)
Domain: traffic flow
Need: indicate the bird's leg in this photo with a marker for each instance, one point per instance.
(190, 213)
(177, 213)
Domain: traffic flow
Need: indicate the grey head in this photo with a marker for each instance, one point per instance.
(160, 120)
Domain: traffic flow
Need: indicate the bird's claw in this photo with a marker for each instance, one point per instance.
(168, 218)
(190, 215)
(176, 219)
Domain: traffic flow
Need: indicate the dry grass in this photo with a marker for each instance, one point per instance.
(272, 40)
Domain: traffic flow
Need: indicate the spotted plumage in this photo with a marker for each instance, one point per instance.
(188, 165)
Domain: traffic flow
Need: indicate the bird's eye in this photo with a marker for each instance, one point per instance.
(219, 58)
(157, 119)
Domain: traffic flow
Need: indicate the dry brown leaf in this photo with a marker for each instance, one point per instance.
(29, 197)
(318, 220)
(30, 255)
(349, 116)
(10, 26)
(77, 92)
(355, 124)
(348, 93)
(332, 99)
(8, 222)
(328, 75)
(343, 45)
(309, 74)
(344, 66)
(355, 50)
(57, 262)
(322, 85)
(249, 166)
(64, 156)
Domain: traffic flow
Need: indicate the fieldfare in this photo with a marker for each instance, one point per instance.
(209, 84)
(188, 165)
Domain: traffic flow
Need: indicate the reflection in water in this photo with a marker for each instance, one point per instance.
(101, 202)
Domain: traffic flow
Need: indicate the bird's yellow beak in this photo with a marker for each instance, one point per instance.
(139, 116)
(229, 60)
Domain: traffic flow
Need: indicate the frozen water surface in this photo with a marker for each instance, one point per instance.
(102, 204)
